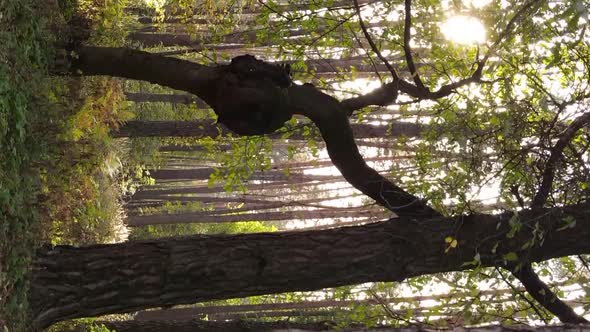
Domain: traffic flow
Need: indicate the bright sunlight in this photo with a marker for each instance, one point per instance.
(464, 30)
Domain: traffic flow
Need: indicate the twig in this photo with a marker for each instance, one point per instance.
(372, 43)
(407, 49)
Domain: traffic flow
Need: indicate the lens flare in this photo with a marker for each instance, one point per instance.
(464, 30)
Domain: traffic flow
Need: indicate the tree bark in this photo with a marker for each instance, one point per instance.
(69, 282)
(211, 326)
(286, 326)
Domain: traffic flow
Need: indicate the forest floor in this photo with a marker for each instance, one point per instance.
(59, 169)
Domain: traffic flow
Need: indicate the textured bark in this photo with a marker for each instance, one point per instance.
(304, 185)
(285, 326)
(168, 71)
(70, 282)
(257, 205)
(211, 326)
(142, 128)
(199, 326)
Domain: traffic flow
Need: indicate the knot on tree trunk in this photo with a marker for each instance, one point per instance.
(252, 96)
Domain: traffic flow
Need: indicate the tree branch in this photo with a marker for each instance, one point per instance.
(243, 94)
(545, 296)
(407, 49)
(387, 93)
(556, 155)
(372, 43)
(331, 118)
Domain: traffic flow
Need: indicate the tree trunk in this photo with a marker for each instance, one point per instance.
(204, 173)
(69, 282)
(186, 98)
(205, 128)
(212, 326)
(207, 217)
(286, 326)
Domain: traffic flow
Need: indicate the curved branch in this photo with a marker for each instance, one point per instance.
(545, 296)
(220, 86)
(556, 155)
(331, 118)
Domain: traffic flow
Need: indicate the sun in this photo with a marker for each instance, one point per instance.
(464, 30)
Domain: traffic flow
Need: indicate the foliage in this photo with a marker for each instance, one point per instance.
(159, 231)
(82, 325)
(58, 178)
(23, 63)
(81, 182)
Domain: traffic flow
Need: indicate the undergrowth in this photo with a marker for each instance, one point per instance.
(23, 63)
(60, 172)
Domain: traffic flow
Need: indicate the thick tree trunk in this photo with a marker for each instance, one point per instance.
(212, 326)
(70, 282)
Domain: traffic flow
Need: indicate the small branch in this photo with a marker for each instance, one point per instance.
(407, 49)
(556, 155)
(372, 43)
(584, 262)
(520, 293)
(387, 93)
(368, 55)
(545, 296)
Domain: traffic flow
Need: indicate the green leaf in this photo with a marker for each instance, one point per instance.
(510, 257)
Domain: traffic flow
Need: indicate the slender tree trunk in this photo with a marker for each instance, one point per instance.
(206, 128)
(301, 184)
(207, 217)
(69, 282)
(186, 99)
(204, 173)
